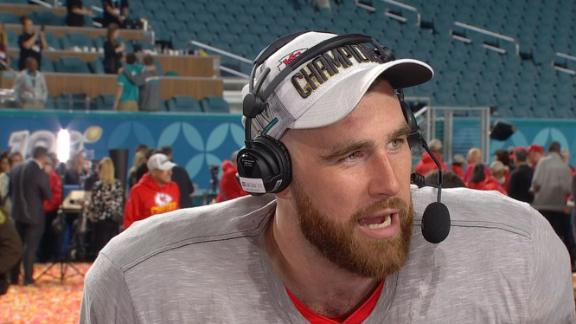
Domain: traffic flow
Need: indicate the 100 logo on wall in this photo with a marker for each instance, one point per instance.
(24, 141)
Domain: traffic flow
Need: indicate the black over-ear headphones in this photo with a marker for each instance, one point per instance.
(264, 165)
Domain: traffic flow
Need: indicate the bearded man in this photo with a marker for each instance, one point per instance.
(328, 237)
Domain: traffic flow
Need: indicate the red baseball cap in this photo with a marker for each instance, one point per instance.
(535, 148)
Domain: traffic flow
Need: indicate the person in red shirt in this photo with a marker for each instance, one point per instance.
(229, 186)
(458, 166)
(480, 180)
(473, 157)
(155, 193)
(535, 153)
(426, 164)
(48, 249)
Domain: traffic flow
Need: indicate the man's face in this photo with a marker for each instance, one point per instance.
(351, 186)
(32, 65)
(160, 176)
(16, 159)
(28, 26)
(48, 168)
(534, 157)
(4, 165)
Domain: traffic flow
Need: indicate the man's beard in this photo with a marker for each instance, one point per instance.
(344, 246)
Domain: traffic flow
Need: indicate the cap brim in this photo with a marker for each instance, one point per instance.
(343, 97)
(167, 166)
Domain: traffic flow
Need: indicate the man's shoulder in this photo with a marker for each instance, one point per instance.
(223, 222)
(480, 208)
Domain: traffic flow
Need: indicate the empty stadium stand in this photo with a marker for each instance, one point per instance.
(484, 53)
(517, 56)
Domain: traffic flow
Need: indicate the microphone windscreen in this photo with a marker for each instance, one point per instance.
(435, 222)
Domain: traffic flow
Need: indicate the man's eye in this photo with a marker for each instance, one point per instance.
(356, 155)
(397, 143)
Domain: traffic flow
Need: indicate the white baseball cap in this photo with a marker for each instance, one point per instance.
(328, 87)
(159, 161)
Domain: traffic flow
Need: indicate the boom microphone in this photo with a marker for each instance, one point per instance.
(436, 218)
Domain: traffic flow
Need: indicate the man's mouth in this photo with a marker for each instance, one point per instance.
(376, 222)
(380, 225)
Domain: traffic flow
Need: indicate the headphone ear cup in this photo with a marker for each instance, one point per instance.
(265, 166)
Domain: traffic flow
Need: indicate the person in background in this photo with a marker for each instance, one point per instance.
(127, 93)
(426, 164)
(4, 57)
(49, 247)
(181, 178)
(458, 163)
(155, 193)
(30, 86)
(10, 250)
(31, 43)
(104, 208)
(5, 203)
(143, 168)
(148, 82)
(76, 13)
(4, 162)
(482, 180)
(113, 51)
(75, 173)
(59, 166)
(473, 157)
(15, 159)
(449, 179)
(29, 188)
(139, 159)
(551, 185)
(229, 187)
(499, 172)
(535, 153)
(521, 178)
(115, 12)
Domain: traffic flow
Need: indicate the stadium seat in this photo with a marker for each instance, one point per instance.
(96, 66)
(53, 41)
(184, 104)
(71, 65)
(9, 18)
(80, 40)
(46, 17)
(215, 105)
(104, 102)
(74, 101)
(47, 65)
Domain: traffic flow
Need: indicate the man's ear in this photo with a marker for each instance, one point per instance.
(286, 193)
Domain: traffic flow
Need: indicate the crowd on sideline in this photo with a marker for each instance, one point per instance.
(138, 83)
(32, 195)
(545, 180)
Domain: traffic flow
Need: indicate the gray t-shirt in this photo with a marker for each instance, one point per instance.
(501, 263)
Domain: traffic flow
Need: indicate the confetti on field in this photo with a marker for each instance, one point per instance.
(48, 300)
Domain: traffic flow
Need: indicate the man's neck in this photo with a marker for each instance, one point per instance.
(318, 283)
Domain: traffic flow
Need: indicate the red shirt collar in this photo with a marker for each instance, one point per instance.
(357, 317)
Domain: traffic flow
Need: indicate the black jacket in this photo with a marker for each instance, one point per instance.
(10, 244)
(519, 183)
(180, 176)
(29, 187)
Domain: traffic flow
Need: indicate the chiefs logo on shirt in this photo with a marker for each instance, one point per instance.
(164, 203)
